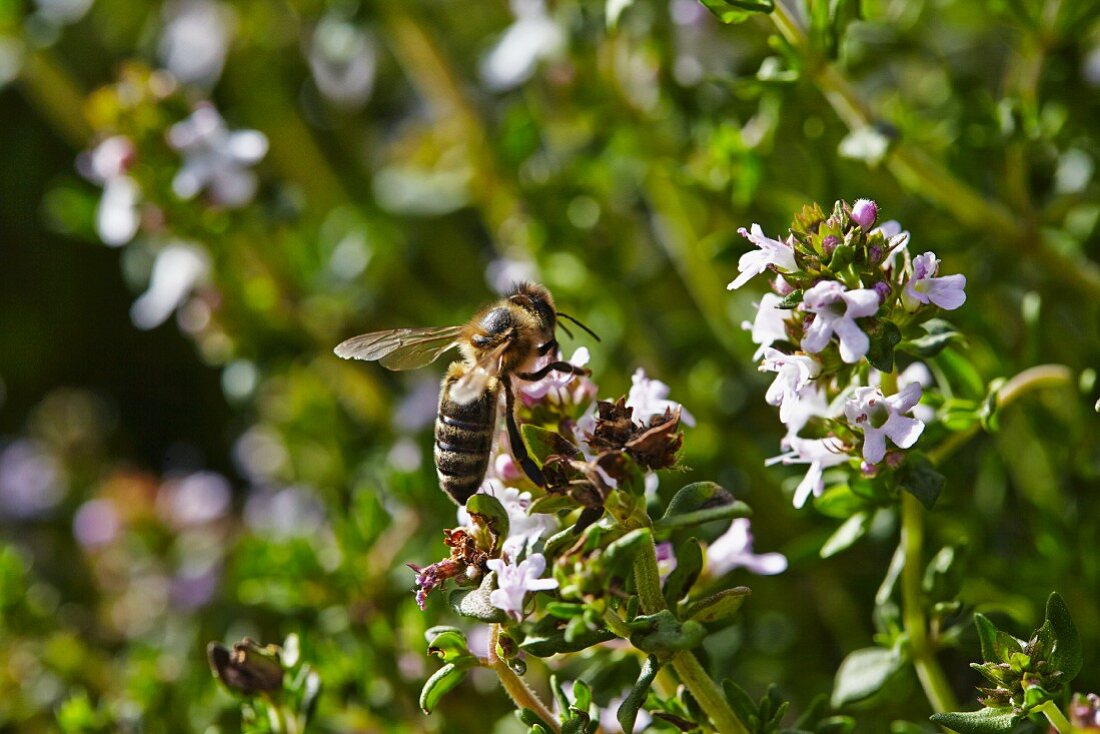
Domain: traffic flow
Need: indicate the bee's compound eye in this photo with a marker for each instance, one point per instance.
(496, 322)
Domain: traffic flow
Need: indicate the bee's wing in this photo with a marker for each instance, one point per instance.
(473, 383)
(401, 349)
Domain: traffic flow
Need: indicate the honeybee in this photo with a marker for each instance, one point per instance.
(497, 344)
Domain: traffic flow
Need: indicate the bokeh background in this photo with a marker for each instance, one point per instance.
(182, 458)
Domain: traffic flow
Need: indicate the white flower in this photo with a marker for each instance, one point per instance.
(755, 262)
(342, 60)
(554, 385)
(649, 397)
(532, 37)
(215, 159)
(795, 374)
(770, 324)
(880, 417)
(195, 40)
(733, 549)
(524, 530)
(116, 218)
(177, 269)
(835, 311)
(514, 581)
(923, 287)
(820, 454)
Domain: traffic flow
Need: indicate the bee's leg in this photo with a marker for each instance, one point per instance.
(519, 448)
(565, 367)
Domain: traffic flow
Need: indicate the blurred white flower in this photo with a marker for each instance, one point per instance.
(342, 61)
(117, 217)
(96, 523)
(771, 253)
(793, 380)
(178, 267)
(532, 37)
(31, 480)
(195, 40)
(648, 397)
(733, 549)
(63, 12)
(215, 159)
(503, 273)
(284, 513)
(195, 499)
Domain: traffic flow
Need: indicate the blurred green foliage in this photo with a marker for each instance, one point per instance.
(617, 175)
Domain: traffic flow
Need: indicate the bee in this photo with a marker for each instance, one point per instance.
(497, 345)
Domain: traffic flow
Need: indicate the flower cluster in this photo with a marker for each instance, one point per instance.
(847, 296)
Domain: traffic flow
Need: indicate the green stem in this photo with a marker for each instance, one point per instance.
(921, 647)
(932, 678)
(517, 689)
(57, 96)
(1056, 718)
(934, 182)
(708, 693)
(1033, 378)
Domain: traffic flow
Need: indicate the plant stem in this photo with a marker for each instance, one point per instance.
(934, 182)
(932, 678)
(923, 653)
(517, 689)
(708, 693)
(1033, 378)
(1056, 718)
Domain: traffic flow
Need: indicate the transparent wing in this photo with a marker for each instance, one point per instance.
(401, 349)
(473, 384)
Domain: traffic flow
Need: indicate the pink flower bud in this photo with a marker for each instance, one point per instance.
(882, 288)
(864, 213)
(829, 244)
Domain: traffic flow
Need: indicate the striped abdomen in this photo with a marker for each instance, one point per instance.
(463, 440)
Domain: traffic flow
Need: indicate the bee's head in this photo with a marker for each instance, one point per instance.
(536, 300)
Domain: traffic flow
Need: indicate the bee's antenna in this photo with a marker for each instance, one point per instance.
(565, 328)
(578, 323)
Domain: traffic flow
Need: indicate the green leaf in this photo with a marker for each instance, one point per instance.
(1066, 654)
(542, 443)
(960, 373)
(883, 340)
(984, 721)
(491, 520)
(854, 528)
(840, 502)
(582, 695)
(534, 721)
(474, 603)
(699, 503)
(938, 335)
(618, 559)
(737, 11)
(791, 300)
(918, 477)
(663, 634)
(444, 679)
(689, 564)
(553, 642)
(717, 606)
(987, 636)
(628, 710)
(740, 701)
(449, 645)
(863, 674)
(836, 725)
